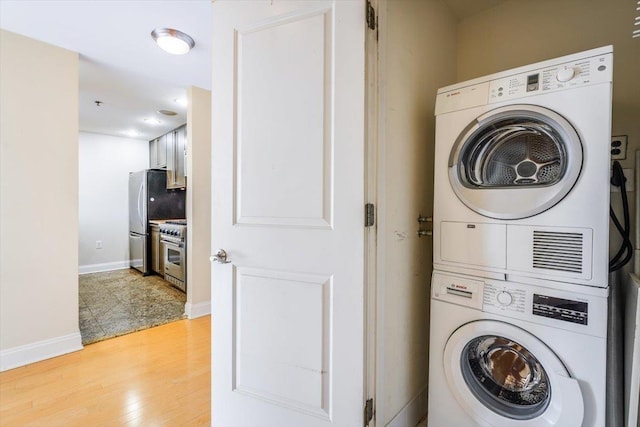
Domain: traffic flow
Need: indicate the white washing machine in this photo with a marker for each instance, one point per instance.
(510, 354)
(521, 172)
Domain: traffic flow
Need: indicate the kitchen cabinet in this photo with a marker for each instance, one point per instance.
(158, 153)
(157, 252)
(169, 152)
(176, 158)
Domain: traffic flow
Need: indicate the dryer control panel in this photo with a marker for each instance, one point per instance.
(582, 69)
(568, 75)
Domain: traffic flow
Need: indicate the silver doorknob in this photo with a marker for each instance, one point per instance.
(220, 257)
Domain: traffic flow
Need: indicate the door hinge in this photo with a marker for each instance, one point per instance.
(372, 21)
(369, 215)
(368, 412)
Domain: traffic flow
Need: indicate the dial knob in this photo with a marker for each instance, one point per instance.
(565, 74)
(504, 298)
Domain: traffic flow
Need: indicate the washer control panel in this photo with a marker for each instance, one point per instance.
(582, 72)
(564, 309)
(564, 306)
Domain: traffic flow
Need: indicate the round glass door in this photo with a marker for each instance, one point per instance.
(506, 377)
(502, 375)
(515, 162)
(513, 152)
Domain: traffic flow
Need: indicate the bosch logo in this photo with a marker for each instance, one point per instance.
(453, 94)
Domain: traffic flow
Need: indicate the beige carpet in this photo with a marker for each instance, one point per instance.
(118, 302)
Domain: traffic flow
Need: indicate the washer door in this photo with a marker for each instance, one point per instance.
(515, 162)
(502, 375)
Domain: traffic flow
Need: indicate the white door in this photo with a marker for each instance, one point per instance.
(288, 185)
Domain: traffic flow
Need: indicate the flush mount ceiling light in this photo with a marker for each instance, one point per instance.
(167, 112)
(173, 41)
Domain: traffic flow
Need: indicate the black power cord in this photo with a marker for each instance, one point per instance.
(625, 253)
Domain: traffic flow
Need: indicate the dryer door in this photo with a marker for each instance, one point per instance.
(502, 375)
(515, 162)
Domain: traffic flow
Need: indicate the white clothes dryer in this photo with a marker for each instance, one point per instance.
(521, 174)
(506, 354)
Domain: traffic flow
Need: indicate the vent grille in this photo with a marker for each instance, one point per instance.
(558, 251)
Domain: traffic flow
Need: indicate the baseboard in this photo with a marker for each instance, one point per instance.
(412, 413)
(107, 266)
(197, 310)
(40, 350)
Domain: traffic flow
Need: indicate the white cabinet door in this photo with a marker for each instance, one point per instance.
(288, 203)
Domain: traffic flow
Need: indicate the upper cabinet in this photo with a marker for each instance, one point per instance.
(169, 152)
(176, 158)
(158, 153)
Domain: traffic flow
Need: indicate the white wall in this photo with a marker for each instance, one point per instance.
(418, 40)
(198, 202)
(38, 201)
(105, 162)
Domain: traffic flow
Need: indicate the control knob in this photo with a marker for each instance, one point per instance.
(505, 298)
(565, 74)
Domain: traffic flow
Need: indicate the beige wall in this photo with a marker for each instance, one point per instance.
(418, 47)
(517, 33)
(38, 193)
(199, 202)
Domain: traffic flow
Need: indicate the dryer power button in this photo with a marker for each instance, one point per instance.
(504, 298)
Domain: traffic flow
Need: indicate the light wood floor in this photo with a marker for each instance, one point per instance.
(157, 377)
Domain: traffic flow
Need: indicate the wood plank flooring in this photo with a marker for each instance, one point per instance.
(156, 377)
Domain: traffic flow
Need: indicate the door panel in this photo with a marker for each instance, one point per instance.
(288, 174)
(284, 153)
(292, 345)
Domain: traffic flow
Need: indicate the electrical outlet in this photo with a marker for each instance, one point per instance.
(629, 184)
(619, 147)
(98, 244)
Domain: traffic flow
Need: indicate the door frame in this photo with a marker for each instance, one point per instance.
(374, 185)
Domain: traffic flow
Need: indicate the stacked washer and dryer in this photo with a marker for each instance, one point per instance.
(521, 241)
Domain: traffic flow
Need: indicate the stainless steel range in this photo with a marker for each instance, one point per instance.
(173, 235)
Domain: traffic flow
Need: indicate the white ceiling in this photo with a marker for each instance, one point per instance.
(120, 64)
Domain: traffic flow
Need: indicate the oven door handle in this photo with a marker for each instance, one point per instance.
(170, 243)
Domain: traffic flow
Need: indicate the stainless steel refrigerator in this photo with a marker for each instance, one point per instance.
(149, 199)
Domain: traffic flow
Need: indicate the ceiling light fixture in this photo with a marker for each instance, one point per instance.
(167, 112)
(173, 41)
